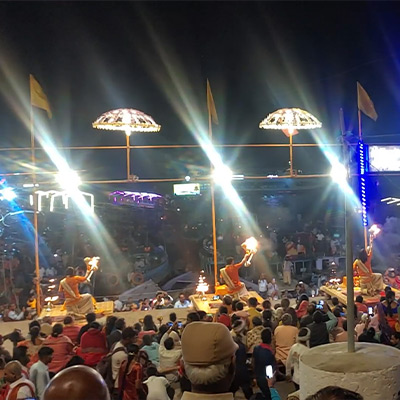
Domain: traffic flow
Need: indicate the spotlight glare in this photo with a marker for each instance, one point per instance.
(7, 194)
(69, 180)
(339, 174)
(222, 174)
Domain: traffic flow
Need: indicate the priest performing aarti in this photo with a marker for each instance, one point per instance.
(370, 283)
(76, 303)
(230, 274)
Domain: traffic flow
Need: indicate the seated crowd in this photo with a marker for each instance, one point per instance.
(147, 361)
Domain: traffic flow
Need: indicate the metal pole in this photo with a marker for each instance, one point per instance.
(128, 157)
(291, 153)
(349, 247)
(35, 217)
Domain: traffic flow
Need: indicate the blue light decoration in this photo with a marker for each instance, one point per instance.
(363, 167)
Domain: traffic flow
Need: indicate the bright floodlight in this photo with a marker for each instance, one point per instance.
(222, 174)
(127, 120)
(7, 194)
(290, 119)
(339, 173)
(69, 180)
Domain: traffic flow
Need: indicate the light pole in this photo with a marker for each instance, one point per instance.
(127, 120)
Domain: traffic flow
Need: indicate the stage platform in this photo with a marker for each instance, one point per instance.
(341, 294)
(57, 314)
(211, 306)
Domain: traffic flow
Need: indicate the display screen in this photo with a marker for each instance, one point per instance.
(384, 158)
(187, 189)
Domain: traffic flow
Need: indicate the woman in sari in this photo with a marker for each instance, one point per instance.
(33, 344)
(302, 304)
(390, 309)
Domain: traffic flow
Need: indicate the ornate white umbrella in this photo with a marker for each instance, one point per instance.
(128, 120)
(289, 120)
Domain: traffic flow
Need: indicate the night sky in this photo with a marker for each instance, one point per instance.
(156, 56)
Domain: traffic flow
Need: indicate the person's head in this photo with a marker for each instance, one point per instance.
(303, 336)
(70, 271)
(148, 323)
(182, 297)
(34, 323)
(335, 393)
(239, 306)
(234, 304)
(390, 296)
(192, 317)
(137, 326)
(172, 317)
(159, 295)
(163, 328)
(318, 317)
(387, 289)
(20, 354)
(75, 360)
(253, 302)
(266, 336)
(227, 300)
(273, 281)
(120, 324)
(303, 297)
(208, 353)
(95, 325)
(169, 343)
(110, 321)
(80, 381)
(285, 303)
(311, 309)
(256, 321)
(266, 305)
(46, 355)
(34, 332)
(286, 319)
(335, 301)
(229, 260)
(147, 340)
(267, 315)
(223, 310)
(371, 332)
(395, 338)
(363, 256)
(90, 317)
(202, 315)
(337, 312)
(128, 336)
(12, 371)
(57, 330)
(359, 299)
(151, 371)
(68, 320)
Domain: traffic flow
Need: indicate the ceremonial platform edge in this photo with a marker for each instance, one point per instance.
(211, 306)
(57, 314)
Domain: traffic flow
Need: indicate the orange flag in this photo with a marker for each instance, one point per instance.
(211, 105)
(38, 97)
(365, 104)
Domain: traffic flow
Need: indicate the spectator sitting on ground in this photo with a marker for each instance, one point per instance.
(152, 349)
(286, 309)
(223, 317)
(335, 393)
(204, 316)
(20, 387)
(319, 328)
(253, 312)
(227, 302)
(130, 375)
(361, 307)
(39, 372)
(268, 321)
(208, 360)
(14, 314)
(368, 336)
(285, 337)
(21, 354)
(182, 302)
(157, 386)
(110, 324)
(33, 344)
(241, 313)
(343, 336)
(70, 329)
(308, 318)
(172, 318)
(254, 335)
(90, 317)
(170, 352)
(93, 345)
(115, 335)
(5, 354)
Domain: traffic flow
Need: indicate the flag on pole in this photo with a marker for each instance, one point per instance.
(38, 97)
(211, 105)
(365, 104)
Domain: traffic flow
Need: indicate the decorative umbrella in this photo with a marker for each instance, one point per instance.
(127, 120)
(289, 120)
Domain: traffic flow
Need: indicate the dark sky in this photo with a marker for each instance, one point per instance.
(156, 56)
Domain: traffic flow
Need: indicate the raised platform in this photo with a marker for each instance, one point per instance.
(341, 294)
(211, 306)
(57, 314)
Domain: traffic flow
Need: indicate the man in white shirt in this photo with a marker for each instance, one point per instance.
(20, 387)
(156, 385)
(170, 354)
(14, 315)
(183, 302)
(120, 354)
(208, 353)
(262, 286)
(39, 372)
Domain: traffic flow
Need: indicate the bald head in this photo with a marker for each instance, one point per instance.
(12, 371)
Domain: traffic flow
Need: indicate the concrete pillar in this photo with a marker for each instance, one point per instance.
(372, 371)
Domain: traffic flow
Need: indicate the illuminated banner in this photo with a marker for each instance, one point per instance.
(187, 189)
(384, 158)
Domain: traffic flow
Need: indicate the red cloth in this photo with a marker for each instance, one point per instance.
(224, 319)
(72, 331)
(62, 347)
(233, 272)
(93, 346)
(134, 374)
(361, 307)
(302, 310)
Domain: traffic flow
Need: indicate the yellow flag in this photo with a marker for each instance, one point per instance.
(365, 104)
(211, 105)
(38, 97)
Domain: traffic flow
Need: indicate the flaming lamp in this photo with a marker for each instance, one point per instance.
(374, 231)
(250, 246)
(202, 286)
